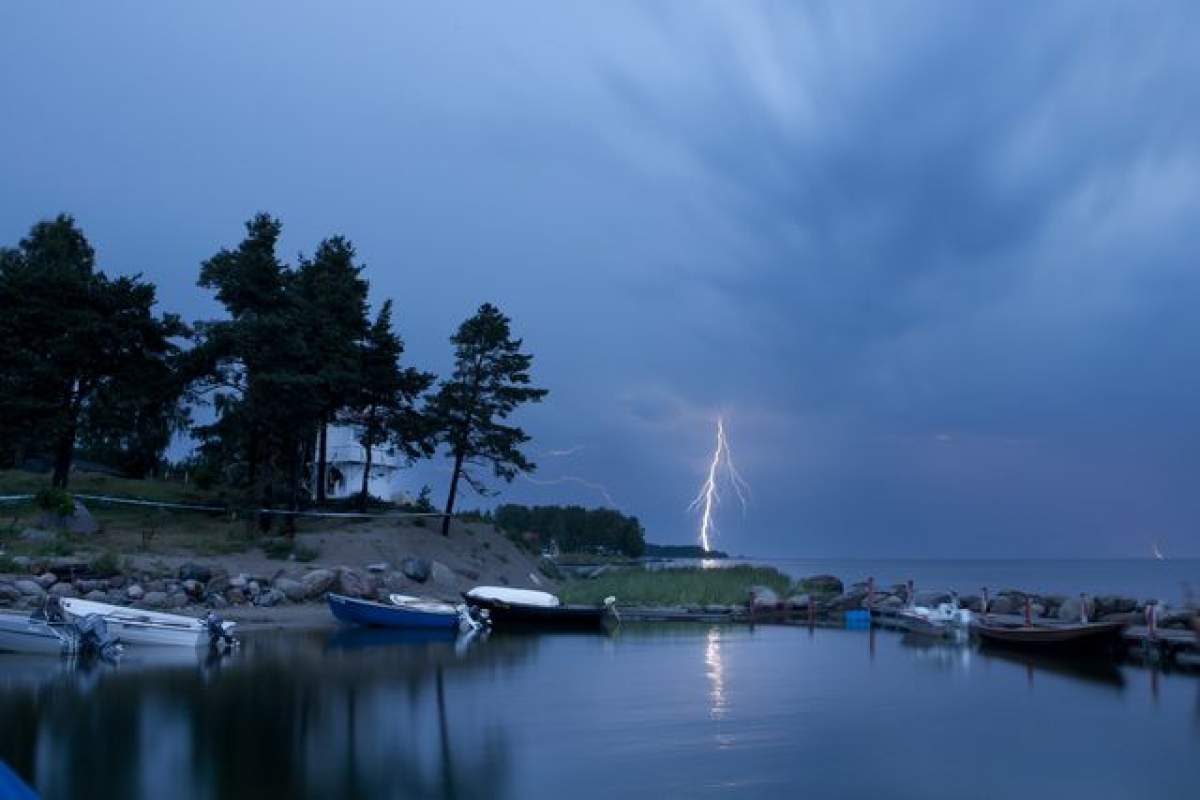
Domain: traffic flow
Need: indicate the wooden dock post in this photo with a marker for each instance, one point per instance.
(870, 594)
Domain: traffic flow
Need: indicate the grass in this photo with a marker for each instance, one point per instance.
(675, 587)
(15, 481)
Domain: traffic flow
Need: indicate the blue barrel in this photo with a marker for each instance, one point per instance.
(858, 620)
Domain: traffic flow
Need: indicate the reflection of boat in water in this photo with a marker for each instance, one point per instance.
(531, 609)
(359, 638)
(1057, 637)
(1092, 670)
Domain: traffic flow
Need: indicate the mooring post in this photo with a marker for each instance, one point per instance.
(870, 594)
(1028, 611)
(1083, 608)
(986, 602)
(812, 612)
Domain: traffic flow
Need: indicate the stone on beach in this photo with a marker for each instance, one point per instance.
(29, 588)
(318, 582)
(63, 589)
(292, 589)
(350, 583)
(154, 599)
(47, 579)
(269, 598)
(9, 594)
(135, 592)
(416, 569)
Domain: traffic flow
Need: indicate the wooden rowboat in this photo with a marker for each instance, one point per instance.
(1057, 637)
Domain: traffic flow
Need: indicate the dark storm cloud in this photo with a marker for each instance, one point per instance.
(935, 263)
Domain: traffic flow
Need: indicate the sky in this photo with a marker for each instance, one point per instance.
(933, 263)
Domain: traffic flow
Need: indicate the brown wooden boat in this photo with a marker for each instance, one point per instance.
(1057, 636)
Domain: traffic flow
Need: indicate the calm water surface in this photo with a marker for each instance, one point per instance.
(659, 712)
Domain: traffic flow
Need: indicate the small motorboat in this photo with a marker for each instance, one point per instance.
(136, 626)
(47, 631)
(532, 608)
(945, 621)
(403, 611)
(1056, 636)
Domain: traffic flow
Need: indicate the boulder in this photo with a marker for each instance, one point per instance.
(235, 596)
(1070, 610)
(135, 592)
(63, 589)
(177, 600)
(417, 569)
(9, 594)
(821, 585)
(440, 573)
(239, 582)
(216, 601)
(763, 597)
(317, 582)
(350, 583)
(85, 586)
(117, 582)
(194, 589)
(218, 584)
(253, 589)
(155, 599)
(195, 572)
(97, 595)
(269, 598)
(115, 597)
(47, 579)
(22, 562)
(29, 588)
(1003, 605)
(81, 523)
(292, 589)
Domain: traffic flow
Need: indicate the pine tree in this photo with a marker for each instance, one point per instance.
(490, 381)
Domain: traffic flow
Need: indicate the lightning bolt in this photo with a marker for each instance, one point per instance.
(572, 479)
(570, 451)
(710, 497)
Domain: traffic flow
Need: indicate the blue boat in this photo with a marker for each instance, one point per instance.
(407, 613)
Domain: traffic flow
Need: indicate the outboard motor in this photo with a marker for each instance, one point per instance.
(217, 635)
(472, 618)
(94, 638)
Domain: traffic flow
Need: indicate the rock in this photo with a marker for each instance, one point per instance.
(932, 599)
(194, 589)
(440, 573)
(86, 585)
(253, 589)
(799, 601)
(378, 567)
(1003, 605)
(22, 562)
(763, 597)
(97, 595)
(155, 599)
(216, 601)
(269, 598)
(891, 601)
(29, 588)
(195, 572)
(350, 583)
(318, 582)
(9, 594)
(239, 582)
(218, 584)
(235, 596)
(82, 523)
(824, 585)
(47, 579)
(177, 600)
(417, 569)
(63, 589)
(1069, 611)
(155, 586)
(37, 535)
(1112, 604)
(473, 575)
(115, 597)
(135, 592)
(292, 589)
(117, 582)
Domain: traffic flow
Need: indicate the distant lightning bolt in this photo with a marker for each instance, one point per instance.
(709, 497)
(572, 479)
(570, 451)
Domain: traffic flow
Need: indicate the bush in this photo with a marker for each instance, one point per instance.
(106, 564)
(55, 501)
(673, 587)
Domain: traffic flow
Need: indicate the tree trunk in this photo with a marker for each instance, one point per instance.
(368, 445)
(458, 460)
(322, 456)
(63, 450)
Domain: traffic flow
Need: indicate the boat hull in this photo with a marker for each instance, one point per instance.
(516, 615)
(1050, 637)
(20, 634)
(381, 615)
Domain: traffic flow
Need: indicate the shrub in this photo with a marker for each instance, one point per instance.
(55, 501)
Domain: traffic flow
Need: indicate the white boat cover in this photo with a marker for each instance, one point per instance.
(527, 597)
(77, 607)
(425, 604)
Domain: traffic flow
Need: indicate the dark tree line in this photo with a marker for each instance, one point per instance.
(89, 368)
(576, 529)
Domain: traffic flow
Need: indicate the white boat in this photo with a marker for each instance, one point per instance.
(137, 626)
(31, 634)
(50, 632)
(946, 620)
(524, 597)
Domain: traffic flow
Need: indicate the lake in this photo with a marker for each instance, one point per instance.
(651, 711)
